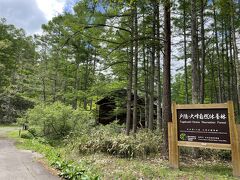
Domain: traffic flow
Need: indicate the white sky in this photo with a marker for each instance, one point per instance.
(31, 14)
(51, 8)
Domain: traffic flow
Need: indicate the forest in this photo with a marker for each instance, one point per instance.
(143, 54)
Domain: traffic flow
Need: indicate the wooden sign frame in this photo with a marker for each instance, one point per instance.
(174, 144)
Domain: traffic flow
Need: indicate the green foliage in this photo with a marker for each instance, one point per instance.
(109, 167)
(207, 154)
(26, 135)
(12, 106)
(32, 131)
(55, 121)
(68, 170)
(17, 56)
(71, 171)
(224, 155)
(110, 139)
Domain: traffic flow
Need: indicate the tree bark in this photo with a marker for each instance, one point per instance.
(229, 96)
(130, 79)
(237, 63)
(185, 54)
(145, 69)
(158, 70)
(202, 82)
(195, 88)
(152, 74)
(166, 110)
(76, 88)
(55, 80)
(195, 60)
(223, 64)
(218, 56)
(135, 70)
(232, 70)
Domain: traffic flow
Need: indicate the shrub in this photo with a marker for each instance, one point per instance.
(26, 135)
(110, 139)
(71, 171)
(55, 121)
(32, 131)
(224, 155)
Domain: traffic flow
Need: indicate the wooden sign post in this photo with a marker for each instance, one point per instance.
(204, 126)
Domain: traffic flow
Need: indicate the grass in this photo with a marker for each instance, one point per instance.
(14, 135)
(109, 167)
(9, 125)
(54, 157)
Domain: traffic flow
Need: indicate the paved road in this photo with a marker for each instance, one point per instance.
(18, 164)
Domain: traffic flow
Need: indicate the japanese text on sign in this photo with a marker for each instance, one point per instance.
(203, 125)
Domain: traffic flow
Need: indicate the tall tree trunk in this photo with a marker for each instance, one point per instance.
(212, 78)
(135, 70)
(44, 89)
(195, 82)
(185, 53)
(202, 81)
(166, 72)
(44, 75)
(218, 56)
(94, 62)
(237, 63)
(86, 76)
(195, 60)
(146, 87)
(158, 70)
(55, 80)
(152, 72)
(146, 79)
(76, 88)
(229, 96)
(130, 79)
(232, 70)
(223, 63)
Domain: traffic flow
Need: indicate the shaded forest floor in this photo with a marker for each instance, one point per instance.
(111, 167)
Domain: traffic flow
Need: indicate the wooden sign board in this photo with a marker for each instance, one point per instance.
(204, 126)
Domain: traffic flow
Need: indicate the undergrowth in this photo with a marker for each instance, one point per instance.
(93, 166)
(67, 169)
(111, 140)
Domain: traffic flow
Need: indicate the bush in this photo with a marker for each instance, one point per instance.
(224, 155)
(26, 135)
(32, 131)
(71, 171)
(110, 139)
(55, 121)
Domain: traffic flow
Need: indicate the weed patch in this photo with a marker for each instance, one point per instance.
(68, 169)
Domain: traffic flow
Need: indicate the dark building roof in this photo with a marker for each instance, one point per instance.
(114, 107)
(118, 95)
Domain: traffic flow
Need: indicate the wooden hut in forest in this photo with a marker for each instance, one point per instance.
(114, 107)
